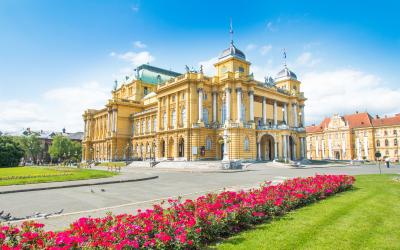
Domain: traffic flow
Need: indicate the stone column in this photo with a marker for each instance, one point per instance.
(295, 115)
(116, 121)
(200, 92)
(228, 104)
(108, 123)
(264, 110)
(275, 150)
(323, 148)
(258, 151)
(239, 104)
(294, 151)
(251, 100)
(302, 116)
(284, 147)
(214, 94)
(317, 148)
(285, 121)
(177, 112)
(366, 147)
(113, 121)
(275, 114)
(301, 147)
(330, 155)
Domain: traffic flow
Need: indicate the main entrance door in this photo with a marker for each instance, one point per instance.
(267, 147)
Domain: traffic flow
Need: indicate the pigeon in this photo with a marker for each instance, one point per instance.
(103, 190)
(91, 190)
(59, 212)
(1, 213)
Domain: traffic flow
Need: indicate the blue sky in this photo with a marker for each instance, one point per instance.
(58, 58)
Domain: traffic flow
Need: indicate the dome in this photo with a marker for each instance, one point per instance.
(232, 51)
(285, 73)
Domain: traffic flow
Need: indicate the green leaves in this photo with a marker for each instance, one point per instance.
(65, 149)
(10, 152)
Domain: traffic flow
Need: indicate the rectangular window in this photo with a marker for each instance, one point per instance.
(145, 90)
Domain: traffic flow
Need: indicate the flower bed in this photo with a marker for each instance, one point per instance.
(183, 225)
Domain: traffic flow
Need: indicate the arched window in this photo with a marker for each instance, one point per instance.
(155, 124)
(205, 115)
(246, 144)
(378, 143)
(243, 112)
(148, 125)
(183, 117)
(165, 120)
(385, 132)
(223, 113)
(395, 132)
(386, 142)
(208, 143)
(173, 118)
(395, 142)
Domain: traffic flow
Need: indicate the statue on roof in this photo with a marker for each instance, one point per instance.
(187, 69)
(201, 69)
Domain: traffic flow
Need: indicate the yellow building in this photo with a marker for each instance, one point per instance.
(170, 116)
(354, 137)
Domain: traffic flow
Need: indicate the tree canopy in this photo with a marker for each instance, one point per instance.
(63, 148)
(31, 145)
(10, 152)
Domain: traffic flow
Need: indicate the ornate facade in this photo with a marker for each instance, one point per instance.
(354, 137)
(165, 115)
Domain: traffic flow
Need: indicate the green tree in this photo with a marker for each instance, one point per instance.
(76, 151)
(10, 152)
(31, 146)
(63, 148)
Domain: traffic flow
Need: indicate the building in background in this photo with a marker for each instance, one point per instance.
(45, 138)
(354, 137)
(166, 115)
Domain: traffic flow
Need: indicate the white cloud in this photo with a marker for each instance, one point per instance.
(250, 47)
(16, 114)
(345, 91)
(306, 59)
(139, 44)
(58, 108)
(134, 58)
(265, 49)
(208, 66)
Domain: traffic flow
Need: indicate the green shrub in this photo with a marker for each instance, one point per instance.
(10, 152)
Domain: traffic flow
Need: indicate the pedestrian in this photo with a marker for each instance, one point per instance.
(387, 160)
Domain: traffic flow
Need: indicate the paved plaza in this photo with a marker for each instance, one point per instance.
(126, 197)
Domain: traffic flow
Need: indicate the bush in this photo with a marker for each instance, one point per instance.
(183, 225)
(10, 152)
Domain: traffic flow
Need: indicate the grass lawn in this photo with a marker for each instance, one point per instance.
(367, 217)
(28, 175)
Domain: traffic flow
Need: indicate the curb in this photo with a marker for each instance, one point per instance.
(78, 185)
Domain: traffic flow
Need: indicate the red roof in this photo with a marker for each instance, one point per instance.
(387, 121)
(357, 120)
(318, 128)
